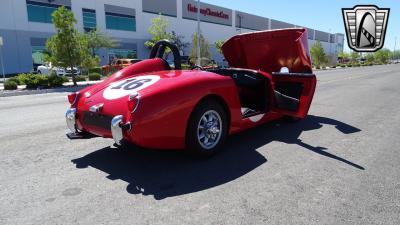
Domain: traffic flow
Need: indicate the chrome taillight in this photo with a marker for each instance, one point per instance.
(73, 97)
(133, 101)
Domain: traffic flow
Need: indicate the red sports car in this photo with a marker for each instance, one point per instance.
(154, 106)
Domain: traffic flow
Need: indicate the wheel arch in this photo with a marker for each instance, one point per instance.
(220, 100)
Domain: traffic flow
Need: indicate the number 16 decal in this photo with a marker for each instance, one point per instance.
(131, 84)
(124, 87)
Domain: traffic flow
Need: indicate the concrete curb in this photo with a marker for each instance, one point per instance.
(68, 88)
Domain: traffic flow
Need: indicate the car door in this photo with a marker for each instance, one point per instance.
(284, 54)
(293, 93)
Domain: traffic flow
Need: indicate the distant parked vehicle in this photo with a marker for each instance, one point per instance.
(119, 64)
(35, 67)
(47, 68)
(395, 61)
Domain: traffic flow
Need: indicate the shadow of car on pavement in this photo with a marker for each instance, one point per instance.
(171, 173)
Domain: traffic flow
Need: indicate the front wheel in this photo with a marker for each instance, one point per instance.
(207, 129)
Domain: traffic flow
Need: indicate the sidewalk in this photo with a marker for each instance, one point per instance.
(67, 87)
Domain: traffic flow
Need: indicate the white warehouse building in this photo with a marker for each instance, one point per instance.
(25, 25)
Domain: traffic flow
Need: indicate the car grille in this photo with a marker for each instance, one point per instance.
(97, 120)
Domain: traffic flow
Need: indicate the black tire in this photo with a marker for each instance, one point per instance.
(193, 145)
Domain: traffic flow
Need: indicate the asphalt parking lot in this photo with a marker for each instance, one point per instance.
(341, 165)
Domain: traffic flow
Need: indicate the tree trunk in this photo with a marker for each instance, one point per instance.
(73, 76)
(74, 79)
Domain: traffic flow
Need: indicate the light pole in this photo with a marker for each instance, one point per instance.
(330, 47)
(240, 24)
(394, 49)
(198, 34)
(1, 59)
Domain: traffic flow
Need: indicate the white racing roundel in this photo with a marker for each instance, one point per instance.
(127, 86)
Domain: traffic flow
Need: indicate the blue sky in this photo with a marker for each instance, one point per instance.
(321, 15)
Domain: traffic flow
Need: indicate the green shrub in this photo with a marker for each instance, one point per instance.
(30, 80)
(43, 81)
(39, 80)
(34, 80)
(94, 76)
(333, 66)
(80, 78)
(65, 79)
(23, 77)
(15, 79)
(349, 65)
(356, 65)
(98, 70)
(57, 81)
(10, 85)
(317, 67)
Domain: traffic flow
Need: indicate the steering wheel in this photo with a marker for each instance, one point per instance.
(158, 51)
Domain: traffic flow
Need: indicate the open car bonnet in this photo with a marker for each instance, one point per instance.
(269, 51)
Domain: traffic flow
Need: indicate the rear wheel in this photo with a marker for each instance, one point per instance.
(207, 129)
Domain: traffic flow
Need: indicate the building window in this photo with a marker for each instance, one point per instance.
(89, 19)
(332, 38)
(40, 12)
(37, 55)
(116, 21)
(122, 53)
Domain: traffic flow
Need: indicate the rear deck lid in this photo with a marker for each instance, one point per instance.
(269, 51)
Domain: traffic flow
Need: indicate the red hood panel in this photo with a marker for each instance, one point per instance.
(269, 51)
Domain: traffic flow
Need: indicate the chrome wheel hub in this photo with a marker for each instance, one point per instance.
(209, 129)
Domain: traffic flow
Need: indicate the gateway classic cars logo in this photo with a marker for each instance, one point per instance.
(365, 27)
(208, 12)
